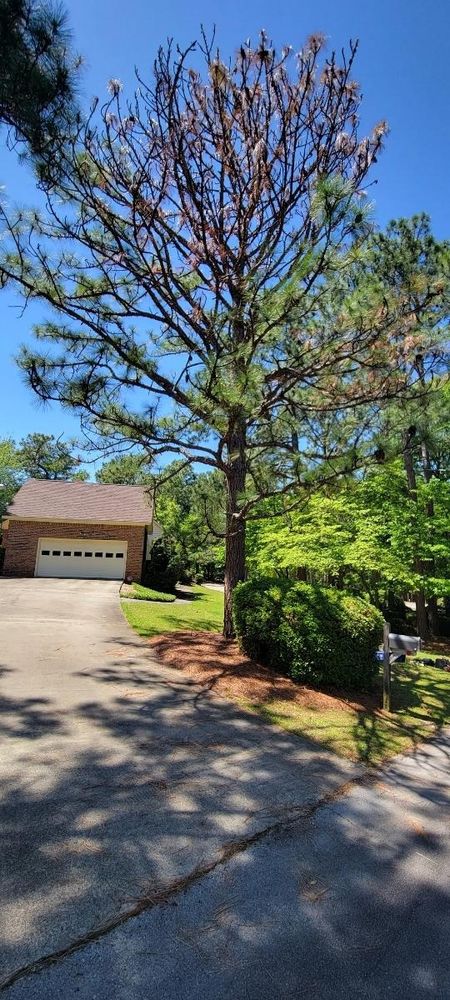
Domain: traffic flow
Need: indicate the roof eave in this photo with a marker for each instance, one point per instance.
(80, 520)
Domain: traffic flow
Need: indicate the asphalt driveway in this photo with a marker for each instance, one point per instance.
(350, 903)
(120, 781)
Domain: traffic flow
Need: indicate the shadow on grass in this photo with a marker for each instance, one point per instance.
(347, 722)
(420, 706)
(422, 693)
(367, 737)
(188, 595)
(377, 737)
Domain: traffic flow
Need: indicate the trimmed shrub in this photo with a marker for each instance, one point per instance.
(315, 635)
(136, 592)
(159, 572)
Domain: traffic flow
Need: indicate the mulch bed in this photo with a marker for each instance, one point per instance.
(219, 665)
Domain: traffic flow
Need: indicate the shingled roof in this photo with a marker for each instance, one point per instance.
(48, 499)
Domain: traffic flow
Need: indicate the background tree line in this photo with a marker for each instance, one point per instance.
(37, 456)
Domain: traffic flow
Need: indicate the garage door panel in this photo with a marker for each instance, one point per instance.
(82, 558)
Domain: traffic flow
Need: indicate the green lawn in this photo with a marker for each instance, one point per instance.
(420, 702)
(136, 592)
(420, 695)
(201, 611)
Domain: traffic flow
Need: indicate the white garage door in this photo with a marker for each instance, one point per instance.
(81, 558)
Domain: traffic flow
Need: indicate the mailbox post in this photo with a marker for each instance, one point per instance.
(386, 669)
(393, 643)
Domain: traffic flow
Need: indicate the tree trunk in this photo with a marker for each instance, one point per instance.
(433, 617)
(430, 621)
(433, 621)
(234, 569)
(421, 615)
(419, 596)
(235, 529)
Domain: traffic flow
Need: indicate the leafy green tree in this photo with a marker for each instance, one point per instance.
(191, 511)
(203, 308)
(42, 456)
(11, 475)
(38, 74)
(307, 542)
(188, 506)
(129, 470)
(369, 537)
(408, 257)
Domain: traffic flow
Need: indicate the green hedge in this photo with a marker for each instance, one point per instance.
(159, 573)
(140, 593)
(315, 635)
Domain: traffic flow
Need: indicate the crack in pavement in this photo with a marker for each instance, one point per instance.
(290, 815)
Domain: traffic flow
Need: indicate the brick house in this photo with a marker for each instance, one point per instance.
(81, 530)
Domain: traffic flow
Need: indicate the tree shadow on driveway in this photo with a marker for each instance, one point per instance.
(130, 790)
(140, 789)
(344, 901)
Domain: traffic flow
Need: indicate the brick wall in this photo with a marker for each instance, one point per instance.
(22, 538)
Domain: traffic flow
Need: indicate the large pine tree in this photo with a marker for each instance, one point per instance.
(194, 256)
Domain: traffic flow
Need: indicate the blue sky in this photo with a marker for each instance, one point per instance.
(403, 68)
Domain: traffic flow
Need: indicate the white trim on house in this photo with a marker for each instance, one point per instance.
(152, 537)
